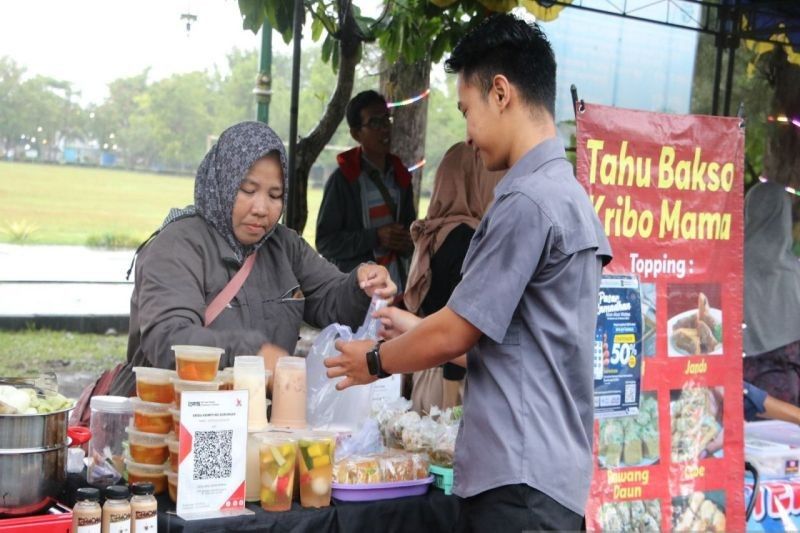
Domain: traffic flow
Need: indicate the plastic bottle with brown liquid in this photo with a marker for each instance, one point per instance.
(117, 510)
(144, 508)
(87, 515)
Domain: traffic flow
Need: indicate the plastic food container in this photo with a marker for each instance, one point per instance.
(197, 363)
(140, 472)
(172, 485)
(151, 417)
(154, 384)
(176, 420)
(182, 385)
(147, 448)
(381, 491)
(110, 416)
(174, 449)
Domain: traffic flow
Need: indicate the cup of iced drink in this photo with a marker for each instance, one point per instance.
(315, 455)
(197, 363)
(154, 384)
(277, 455)
(289, 393)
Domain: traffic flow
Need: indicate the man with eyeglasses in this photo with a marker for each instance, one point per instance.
(368, 202)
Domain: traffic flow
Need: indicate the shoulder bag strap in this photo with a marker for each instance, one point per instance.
(224, 298)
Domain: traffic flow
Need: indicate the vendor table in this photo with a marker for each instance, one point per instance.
(432, 512)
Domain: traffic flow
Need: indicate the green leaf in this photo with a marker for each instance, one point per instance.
(327, 46)
(252, 14)
(316, 29)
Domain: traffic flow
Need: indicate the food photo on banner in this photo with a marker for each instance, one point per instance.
(668, 191)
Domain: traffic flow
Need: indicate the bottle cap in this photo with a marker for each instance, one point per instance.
(87, 494)
(143, 488)
(117, 492)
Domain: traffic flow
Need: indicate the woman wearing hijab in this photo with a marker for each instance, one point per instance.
(771, 338)
(240, 194)
(462, 192)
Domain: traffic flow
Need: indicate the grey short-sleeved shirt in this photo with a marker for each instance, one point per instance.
(530, 283)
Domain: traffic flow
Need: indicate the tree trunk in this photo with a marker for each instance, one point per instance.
(399, 82)
(782, 154)
(309, 148)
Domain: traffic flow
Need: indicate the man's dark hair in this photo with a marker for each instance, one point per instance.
(504, 44)
(359, 102)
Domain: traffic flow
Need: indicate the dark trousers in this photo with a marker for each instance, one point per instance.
(515, 508)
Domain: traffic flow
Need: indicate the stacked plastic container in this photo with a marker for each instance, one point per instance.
(154, 434)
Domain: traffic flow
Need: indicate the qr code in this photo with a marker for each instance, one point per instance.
(630, 391)
(212, 454)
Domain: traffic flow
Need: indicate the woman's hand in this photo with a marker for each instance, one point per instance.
(271, 353)
(375, 279)
(395, 321)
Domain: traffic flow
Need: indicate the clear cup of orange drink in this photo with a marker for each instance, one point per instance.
(154, 384)
(147, 448)
(277, 455)
(151, 417)
(197, 363)
(315, 457)
(182, 385)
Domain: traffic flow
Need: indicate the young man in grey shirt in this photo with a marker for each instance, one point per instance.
(526, 308)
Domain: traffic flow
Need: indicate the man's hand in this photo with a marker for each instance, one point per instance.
(352, 362)
(375, 279)
(395, 321)
(396, 238)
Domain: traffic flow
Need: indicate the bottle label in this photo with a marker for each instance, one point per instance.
(145, 522)
(88, 524)
(119, 523)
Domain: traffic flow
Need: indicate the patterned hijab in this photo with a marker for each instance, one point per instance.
(222, 171)
(771, 271)
(462, 192)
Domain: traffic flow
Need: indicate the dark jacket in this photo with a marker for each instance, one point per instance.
(184, 268)
(341, 236)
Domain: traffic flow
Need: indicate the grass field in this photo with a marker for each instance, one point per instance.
(71, 205)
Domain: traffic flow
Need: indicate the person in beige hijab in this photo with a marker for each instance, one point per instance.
(462, 192)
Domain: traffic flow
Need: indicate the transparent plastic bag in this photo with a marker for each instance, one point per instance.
(328, 408)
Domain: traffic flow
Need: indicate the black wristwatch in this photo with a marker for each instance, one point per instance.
(374, 362)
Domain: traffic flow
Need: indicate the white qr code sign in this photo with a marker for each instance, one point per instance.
(212, 442)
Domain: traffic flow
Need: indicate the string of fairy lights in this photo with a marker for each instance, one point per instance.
(408, 101)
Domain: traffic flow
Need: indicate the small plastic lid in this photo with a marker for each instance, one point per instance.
(117, 492)
(248, 361)
(111, 404)
(149, 407)
(87, 494)
(201, 352)
(291, 362)
(142, 488)
(154, 375)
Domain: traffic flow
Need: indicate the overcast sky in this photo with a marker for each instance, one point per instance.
(92, 42)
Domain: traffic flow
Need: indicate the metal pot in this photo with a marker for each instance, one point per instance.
(33, 461)
(33, 431)
(31, 479)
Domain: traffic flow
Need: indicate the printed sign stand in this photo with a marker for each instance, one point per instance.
(212, 444)
(668, 190)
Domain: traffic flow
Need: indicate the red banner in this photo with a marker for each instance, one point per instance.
(668, 190)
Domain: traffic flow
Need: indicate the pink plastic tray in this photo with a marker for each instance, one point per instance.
(380, 491)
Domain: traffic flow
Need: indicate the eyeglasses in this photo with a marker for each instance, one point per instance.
(375, 123)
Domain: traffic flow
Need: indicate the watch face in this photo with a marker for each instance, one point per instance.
(372, 363)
